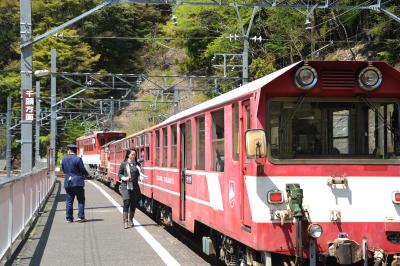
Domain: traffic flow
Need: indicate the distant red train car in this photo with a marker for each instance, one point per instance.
(304, 162)
(89, 148)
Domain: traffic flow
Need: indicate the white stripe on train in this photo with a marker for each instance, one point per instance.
(214, 187)
(365, 199)
(372, 193)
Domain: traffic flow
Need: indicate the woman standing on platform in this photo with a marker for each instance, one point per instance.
(128, 174)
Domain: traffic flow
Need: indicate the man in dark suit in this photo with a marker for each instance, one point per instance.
(74, 173)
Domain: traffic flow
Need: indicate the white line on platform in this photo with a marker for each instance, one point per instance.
(158, 248)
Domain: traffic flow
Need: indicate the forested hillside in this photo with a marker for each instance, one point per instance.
(132, 38)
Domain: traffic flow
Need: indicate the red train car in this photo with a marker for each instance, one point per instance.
(89, 148)
(303, 162)
(115, 153)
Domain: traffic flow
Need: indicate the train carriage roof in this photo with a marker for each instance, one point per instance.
(219, 100)
(230, 95)
(249, 89)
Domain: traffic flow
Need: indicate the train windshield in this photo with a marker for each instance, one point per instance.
(321, 129)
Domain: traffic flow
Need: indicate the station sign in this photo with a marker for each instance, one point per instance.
(28, 105)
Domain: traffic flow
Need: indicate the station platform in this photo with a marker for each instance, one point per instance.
(101, 240)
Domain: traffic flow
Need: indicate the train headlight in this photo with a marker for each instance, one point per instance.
(396, 197)
(306, 77)
(314, 230)
(370, 78)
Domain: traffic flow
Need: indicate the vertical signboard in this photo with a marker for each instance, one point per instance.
(28, 105)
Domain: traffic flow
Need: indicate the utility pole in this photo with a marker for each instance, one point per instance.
(8, 138)
(26, 83)
(245, 34)
(176, 100)
(112, 114)
(310, 25)
(312, 34)
(53, 101)
(37, 125)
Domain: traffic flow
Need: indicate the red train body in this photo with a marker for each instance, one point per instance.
(302, 162)
(89, 148)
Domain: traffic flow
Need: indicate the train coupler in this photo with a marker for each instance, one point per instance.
(345, 250)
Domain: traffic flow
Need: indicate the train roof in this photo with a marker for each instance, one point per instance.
(230, 95)
(248, 89)
(221, 99)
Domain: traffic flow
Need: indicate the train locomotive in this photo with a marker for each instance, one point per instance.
(301, 165)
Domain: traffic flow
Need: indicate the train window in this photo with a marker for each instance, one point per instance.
(147, 146)
(165, 147)
(218, 155)
(340, 131)
(246, 123)
(333, 129)
(142, 140)
(147, 153)
(137, 142)
(247, 116)
(235, 132)
(188, 145)
(173, 145)
(141, 155)
(200, 143)
(157, 154)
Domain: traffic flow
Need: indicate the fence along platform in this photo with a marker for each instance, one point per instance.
(20, 199)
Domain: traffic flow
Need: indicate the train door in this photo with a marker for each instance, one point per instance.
(246, 212)
(182, 174)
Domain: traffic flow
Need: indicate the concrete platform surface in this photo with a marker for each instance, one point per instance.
(101, 240)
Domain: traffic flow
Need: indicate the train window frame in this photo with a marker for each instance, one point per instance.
(235, 131)
(137, 142)
(141, 140)
(200, 147)
(157, 148)
(174, 145)
(147, 146)
(164, 161)
(347, 158)
(188, 144)
(218, 158)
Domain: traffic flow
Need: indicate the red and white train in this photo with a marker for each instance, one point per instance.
(89, 148)
(302, 164)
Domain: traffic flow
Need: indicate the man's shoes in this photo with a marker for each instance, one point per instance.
(81, 220)
(69, 221)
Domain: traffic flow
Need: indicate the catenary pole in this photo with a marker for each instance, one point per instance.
(8, 138)
(26, 84)
(53, 100)
(37, 125)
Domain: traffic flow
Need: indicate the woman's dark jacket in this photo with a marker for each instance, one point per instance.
(134, 179)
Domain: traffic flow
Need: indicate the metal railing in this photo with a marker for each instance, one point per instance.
(20, 200)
